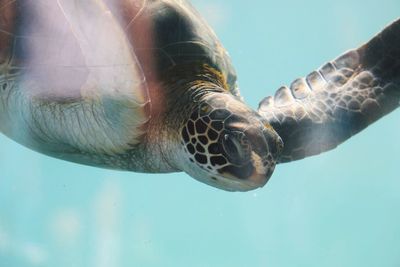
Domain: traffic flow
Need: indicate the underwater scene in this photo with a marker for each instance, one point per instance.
(339, 208)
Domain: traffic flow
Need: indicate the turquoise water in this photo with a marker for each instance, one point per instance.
(341, 208)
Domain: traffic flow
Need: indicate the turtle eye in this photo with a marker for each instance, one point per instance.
(236, 147)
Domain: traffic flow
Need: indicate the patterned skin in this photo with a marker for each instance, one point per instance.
(229, 146)
(340, 99)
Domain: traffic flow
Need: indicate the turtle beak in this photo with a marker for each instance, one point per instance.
(262, 171)
(267, 146)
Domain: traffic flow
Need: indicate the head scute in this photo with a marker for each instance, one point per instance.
(227, 145)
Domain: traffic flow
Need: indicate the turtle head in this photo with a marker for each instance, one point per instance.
(228, 145)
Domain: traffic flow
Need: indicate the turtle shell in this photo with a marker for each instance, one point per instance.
(67, 33)
(170, 33)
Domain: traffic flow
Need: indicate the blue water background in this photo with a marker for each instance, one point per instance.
(341, 208)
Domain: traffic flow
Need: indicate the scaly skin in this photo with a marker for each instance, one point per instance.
(340, 99)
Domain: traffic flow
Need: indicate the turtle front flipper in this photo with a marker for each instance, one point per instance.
(340, 99)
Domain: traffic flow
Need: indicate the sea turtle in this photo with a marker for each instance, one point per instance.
(146, 86)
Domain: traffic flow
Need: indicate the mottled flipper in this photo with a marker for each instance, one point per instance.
(340, 99)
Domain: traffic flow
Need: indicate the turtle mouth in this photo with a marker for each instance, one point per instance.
(243, 180)
(229, 182)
